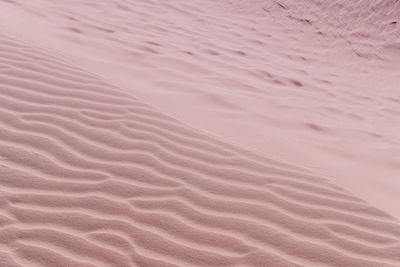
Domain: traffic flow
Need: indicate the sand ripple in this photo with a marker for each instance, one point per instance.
(91, 176)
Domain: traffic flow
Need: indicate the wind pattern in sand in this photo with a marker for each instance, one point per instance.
(91, 176)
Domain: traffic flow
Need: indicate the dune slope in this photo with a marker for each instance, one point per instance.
(91, 176)
(160, 133)
(310, 82)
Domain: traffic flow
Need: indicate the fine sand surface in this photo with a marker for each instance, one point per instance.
(199, 133)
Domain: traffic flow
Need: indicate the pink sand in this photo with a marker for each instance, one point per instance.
(200, 133)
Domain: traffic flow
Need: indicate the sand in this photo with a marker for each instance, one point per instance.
(199, 133)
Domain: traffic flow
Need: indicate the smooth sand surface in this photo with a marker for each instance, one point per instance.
(199, 133)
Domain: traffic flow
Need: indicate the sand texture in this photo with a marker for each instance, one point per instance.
(199, 133)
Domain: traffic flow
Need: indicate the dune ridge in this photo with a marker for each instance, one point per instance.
(310, 82)
(91, 176)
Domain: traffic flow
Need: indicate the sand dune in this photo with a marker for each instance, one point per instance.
(314, 76)
(91, 174)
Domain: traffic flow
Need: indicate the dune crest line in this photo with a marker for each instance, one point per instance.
(90, 176)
